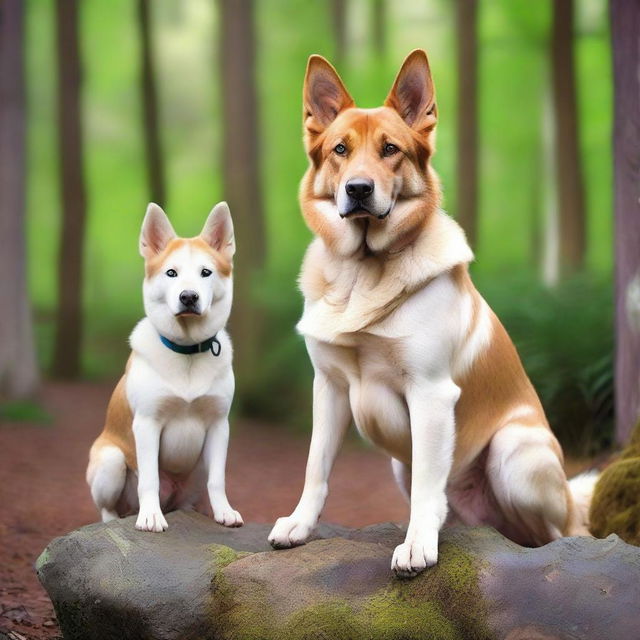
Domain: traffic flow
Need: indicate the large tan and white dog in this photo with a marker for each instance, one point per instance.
(167, 429)
(401, 340)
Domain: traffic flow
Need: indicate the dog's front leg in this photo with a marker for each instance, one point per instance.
(331, 417)
(431, 411)
(147, 432)
(215, 460)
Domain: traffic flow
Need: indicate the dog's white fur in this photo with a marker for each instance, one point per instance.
(172, 408)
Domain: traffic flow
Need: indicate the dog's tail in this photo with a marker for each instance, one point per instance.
(582, 487)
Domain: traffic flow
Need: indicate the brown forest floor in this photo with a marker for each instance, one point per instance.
(43, 493)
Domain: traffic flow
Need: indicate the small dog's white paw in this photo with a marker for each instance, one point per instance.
(228, 517)
(289, 532)
(151, 521)
(412, 557)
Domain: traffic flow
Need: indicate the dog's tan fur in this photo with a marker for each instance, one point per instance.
(117, 427)
(372, 283)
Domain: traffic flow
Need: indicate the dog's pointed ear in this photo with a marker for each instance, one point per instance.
(324, 95)
(156, 232)
(413, 94)
(218, 230)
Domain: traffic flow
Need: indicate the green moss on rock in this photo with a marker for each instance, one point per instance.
(234, 621)
(615, 507)
(447, 593)
(43, 558)
(223, 556)
(390, 615)
(328, 620)
(443, 603)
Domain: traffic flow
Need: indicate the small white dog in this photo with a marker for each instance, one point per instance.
(167, 425)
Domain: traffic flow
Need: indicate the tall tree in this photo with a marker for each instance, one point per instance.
(149, 95)
(379, 27)
(570, 188)
(625, 31)
(18, 371)
(241, 176)
(467, 161)
(339, 23)
(69, 321)
(547, 185)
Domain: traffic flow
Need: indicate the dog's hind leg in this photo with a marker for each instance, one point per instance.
(526, 476)
(402, 475)
(106, 476)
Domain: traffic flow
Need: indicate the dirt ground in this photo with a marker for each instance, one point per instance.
(43, 492)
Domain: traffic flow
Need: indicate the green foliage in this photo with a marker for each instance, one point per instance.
(24, 411)
(285, 375)
(565, 338)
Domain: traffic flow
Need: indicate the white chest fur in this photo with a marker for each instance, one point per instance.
(185, 395)
(417, 342)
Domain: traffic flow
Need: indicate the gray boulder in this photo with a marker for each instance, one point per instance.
(201, 581)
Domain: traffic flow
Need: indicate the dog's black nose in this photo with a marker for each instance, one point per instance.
(359, 188)
(189, 298)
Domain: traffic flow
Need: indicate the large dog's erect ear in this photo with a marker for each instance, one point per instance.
(156, 231)
(218, 230)
(324, 96)
(413, 95)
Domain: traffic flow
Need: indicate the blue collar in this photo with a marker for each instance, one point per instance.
(189, 350)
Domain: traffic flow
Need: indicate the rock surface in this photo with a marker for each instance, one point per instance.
(200, 580)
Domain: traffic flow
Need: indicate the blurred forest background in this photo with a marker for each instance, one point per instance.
(190, 102)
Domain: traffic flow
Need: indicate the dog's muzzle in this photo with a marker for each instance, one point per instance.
(359, 192)
(189, 303)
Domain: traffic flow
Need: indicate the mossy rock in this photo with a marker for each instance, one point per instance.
(201, 580)
(615, 507)
(339, 588)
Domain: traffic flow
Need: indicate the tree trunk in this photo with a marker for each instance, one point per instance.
(571, 212)
(625, 31)
(379, 27)
(467, 161)
(241, 178)
(149, 95)
(339, 22)
(69, 322)
(18, 369)
(548, 185)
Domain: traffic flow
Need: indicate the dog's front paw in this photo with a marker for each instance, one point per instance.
(414, 556)
(289, 532)
(149, 520)
(228, 517)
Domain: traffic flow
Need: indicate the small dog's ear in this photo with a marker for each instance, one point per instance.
(324, 95)
(413, 94)
(218, 230)
(156, 231)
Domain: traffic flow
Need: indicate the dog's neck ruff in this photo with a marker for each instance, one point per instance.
(344, 296)
(212, 344)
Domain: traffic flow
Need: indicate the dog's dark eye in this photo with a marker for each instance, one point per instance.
(340, 149)
(205, 273)
(389, 149)
(172, 273)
